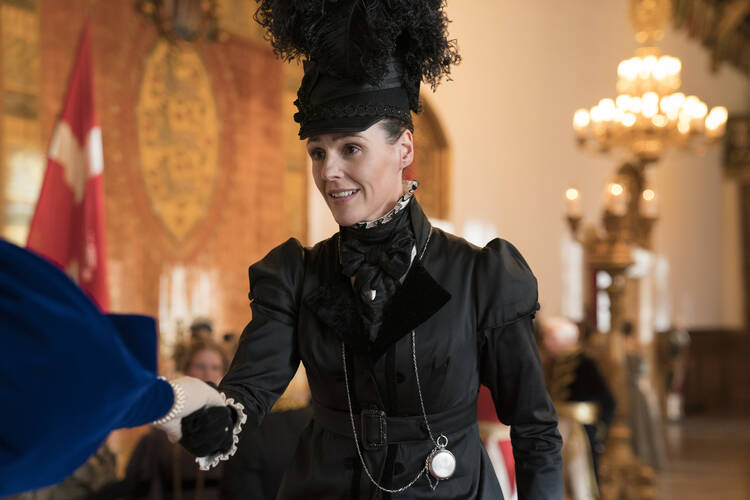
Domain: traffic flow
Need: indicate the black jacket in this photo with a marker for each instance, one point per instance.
(472, 312)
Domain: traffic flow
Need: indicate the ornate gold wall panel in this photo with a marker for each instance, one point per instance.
(22, 163)
(178, 136)
(20, 39)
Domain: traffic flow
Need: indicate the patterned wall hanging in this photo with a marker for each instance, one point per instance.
(178, 136)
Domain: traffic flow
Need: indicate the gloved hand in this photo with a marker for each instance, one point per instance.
(191, 394)
(208, 431)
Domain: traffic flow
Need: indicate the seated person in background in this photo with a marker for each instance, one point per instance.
(677, 358)
(159, 469)
(578, 390)
(643, 410)
(201, 330)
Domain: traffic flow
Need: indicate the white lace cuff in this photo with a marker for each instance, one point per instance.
(210, 461)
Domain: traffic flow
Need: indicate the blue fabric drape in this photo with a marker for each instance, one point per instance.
(69, 373)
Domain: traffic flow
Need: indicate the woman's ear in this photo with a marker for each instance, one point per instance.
(406, 149)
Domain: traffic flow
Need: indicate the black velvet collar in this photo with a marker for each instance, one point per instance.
(416, 300)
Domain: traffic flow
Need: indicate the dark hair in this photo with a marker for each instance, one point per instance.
(627, 328)
(394, 128)
(201, 324)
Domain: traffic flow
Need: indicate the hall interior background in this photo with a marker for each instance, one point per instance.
(204, 174)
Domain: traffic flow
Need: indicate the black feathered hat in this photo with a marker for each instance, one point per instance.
(364, 60)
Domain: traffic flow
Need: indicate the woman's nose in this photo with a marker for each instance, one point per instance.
(331, 169)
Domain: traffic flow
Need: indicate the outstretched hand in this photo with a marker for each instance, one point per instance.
(197, 394)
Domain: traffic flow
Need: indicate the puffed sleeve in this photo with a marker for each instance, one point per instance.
(267, 357)
(506, 292)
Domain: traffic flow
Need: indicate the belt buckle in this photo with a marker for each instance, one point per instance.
(374, 429)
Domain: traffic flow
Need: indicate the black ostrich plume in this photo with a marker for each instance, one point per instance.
(356, 39)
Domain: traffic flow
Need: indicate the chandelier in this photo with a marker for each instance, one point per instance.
(649, 113)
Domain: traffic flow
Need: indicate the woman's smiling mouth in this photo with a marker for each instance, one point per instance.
(342, 195)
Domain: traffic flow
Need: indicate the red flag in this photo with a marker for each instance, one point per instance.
(68, 225)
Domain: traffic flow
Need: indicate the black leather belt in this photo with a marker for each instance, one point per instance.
(378, 429)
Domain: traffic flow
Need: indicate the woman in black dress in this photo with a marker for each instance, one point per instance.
(396, 322)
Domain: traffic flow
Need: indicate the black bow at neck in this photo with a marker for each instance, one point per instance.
(377, 259)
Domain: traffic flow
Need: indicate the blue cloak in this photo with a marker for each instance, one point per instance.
(69, 373)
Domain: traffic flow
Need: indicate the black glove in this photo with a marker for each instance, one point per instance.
(208, 431)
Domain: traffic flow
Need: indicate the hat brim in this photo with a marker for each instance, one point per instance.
(339, 125)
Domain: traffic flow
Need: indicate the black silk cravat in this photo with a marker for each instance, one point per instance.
(377, 258)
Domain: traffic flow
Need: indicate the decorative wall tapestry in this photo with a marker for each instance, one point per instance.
(178, 136)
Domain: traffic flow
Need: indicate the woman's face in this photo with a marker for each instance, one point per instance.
(359, 173)
(207, 365)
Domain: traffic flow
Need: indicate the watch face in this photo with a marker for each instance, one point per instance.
(442, 464)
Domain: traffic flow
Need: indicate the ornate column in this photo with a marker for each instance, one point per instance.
(622, 476)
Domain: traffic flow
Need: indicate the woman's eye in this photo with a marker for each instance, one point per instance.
(351, 149)
(317, 155)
